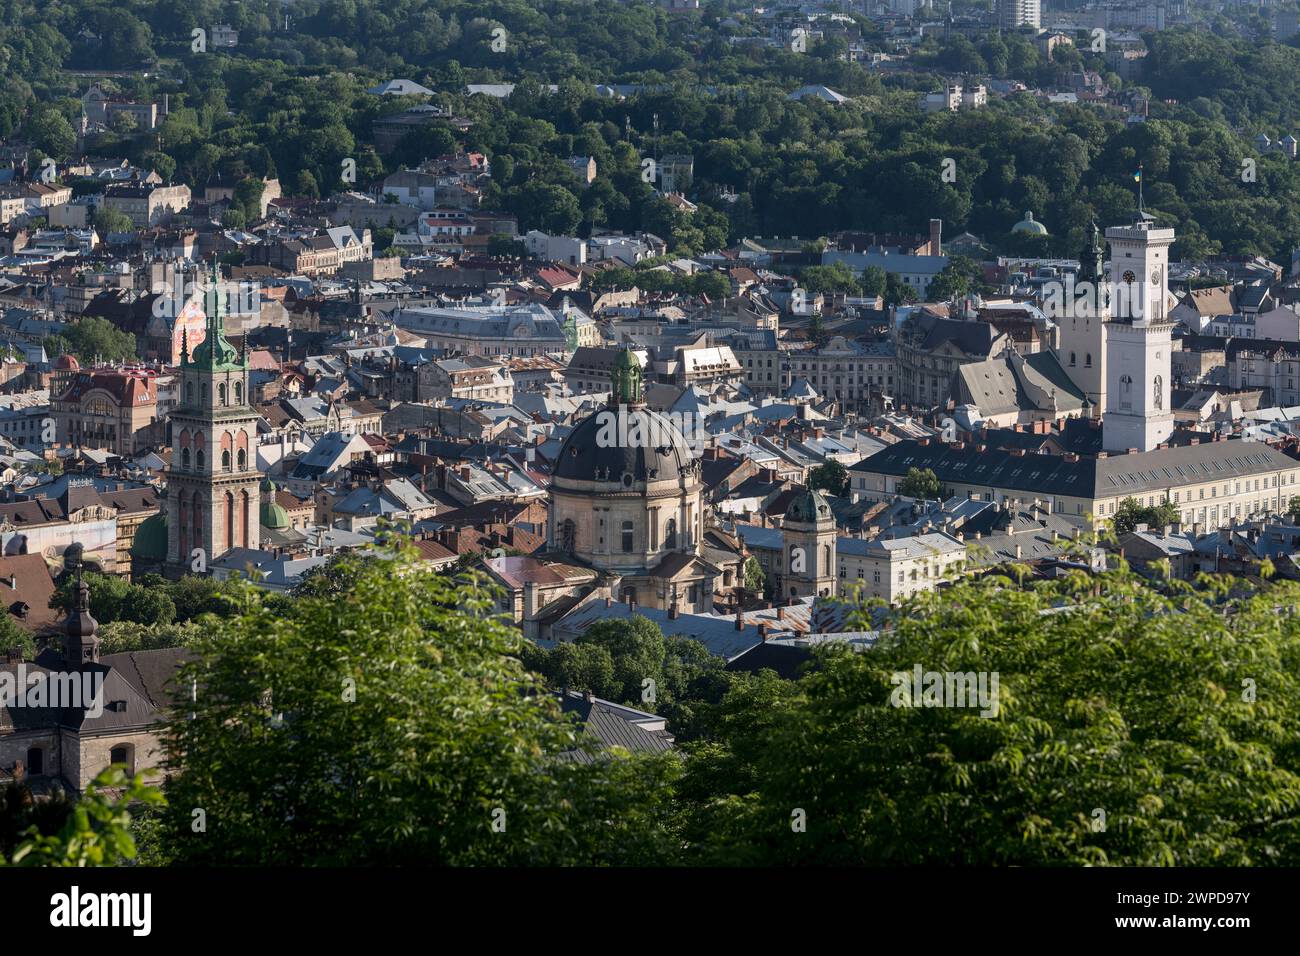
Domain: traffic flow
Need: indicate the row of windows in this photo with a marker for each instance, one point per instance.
(221, 393)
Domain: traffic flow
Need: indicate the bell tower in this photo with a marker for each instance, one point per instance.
(1138, 341)
(212, 480)
(809, 542)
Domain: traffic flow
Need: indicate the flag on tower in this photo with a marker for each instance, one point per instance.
(1137, 175)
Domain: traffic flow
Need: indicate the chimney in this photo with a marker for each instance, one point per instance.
(1017, 551)
(936, 237)
(780, 614)
(588, 696)
(762, 632)
(740, 620)
(609, 601)
(464, 472)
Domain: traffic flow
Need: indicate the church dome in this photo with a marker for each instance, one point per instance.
(1030, 225)
(67, 361)
(808, 508)
(631, 444)
(150, 542)
(271, 515)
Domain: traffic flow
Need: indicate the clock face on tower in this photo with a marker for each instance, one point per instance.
(1155, 276)
(1129, 277)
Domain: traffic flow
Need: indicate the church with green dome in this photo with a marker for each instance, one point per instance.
(1029, 226)
(213, 486)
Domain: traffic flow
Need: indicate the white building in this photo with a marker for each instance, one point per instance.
(1138, 413)
(1019, 13)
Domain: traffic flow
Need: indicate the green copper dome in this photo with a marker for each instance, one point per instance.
(808, 508)
(271, 515)
(150, 542)
(1030, 225)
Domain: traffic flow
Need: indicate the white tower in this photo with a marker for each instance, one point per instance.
(1138, 343)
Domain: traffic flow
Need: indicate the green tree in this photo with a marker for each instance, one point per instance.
(13, 636)
(1118, 733)
(920, 483)
(52, 133)
(94, 339)
(874, 281)
(307, 185)
(831, 476)
(248, 198)
(829, 279)
(1131, 513)
(98, 830)
(398, 726)
(755, 578)
(112, 220)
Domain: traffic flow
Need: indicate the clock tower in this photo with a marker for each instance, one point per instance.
(1138, 343)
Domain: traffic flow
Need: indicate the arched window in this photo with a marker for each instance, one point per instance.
(670, 534)
(1072, 360)
(230, 520)
(242, 459)
(239, 393)
(1087, 360)
(221, 393)
(121, 754)
(1126, 391)
(225, 459)
(189, 393)
(199, 459)
(185, 458)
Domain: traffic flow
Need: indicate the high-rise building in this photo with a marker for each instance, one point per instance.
(1019, 13)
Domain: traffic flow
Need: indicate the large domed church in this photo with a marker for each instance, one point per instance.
(627, 500)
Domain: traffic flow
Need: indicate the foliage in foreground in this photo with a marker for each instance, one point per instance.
(98, 830)
(1134, 728)
(394, 725)
(1136, 724)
